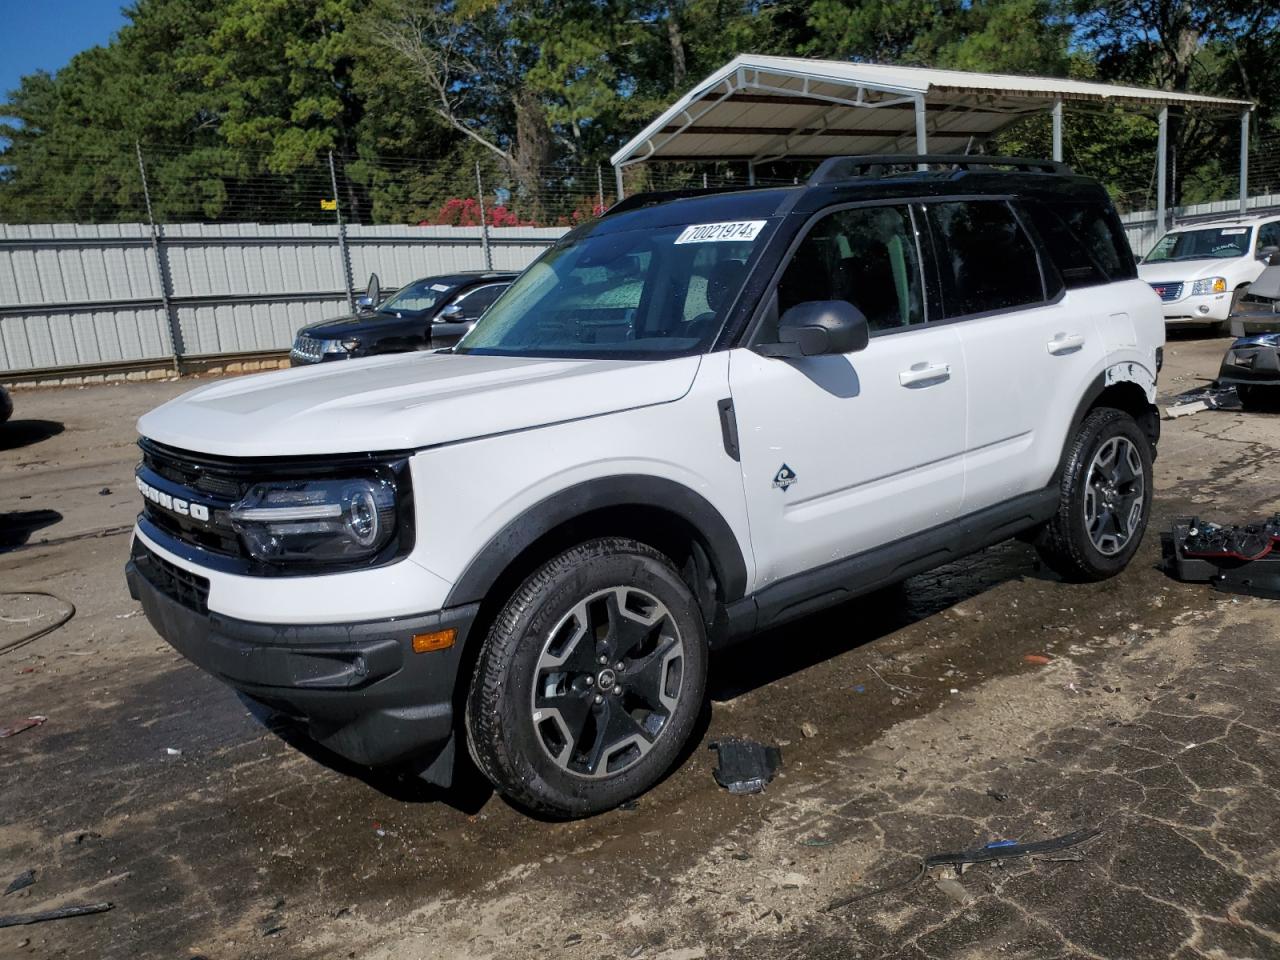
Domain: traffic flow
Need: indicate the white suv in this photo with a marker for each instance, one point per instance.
(1201, 271)
(697, 417)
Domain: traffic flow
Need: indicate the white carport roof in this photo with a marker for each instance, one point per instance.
(762, 108)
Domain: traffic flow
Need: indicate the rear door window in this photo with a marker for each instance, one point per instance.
(1102, 236)
(1070, 252)
(987, 261)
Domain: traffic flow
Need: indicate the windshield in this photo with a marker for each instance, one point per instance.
(1211, 243)
(418, 297)
(645, 293)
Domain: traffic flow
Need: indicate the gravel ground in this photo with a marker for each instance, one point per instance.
(1149, 710)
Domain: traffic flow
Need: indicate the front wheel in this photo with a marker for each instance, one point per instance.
(590, 680)
(1104, 499)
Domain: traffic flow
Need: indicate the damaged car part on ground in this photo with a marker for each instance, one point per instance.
(528, 545)
(993, 852)
(1252, 366)
(1242, 558)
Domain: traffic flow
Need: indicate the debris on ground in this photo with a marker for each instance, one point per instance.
(1240, 558)
(62, 913)
(7, 645)
(996, 850)
(25, 724)
(808, 731)
(999, 796)
(1038, 658)
(104, 492)
(954, 889)
(23, 880)
(173, 751)
(1211, 397)
(745, 766)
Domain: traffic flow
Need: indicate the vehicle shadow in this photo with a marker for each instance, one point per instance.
(468, 794)
(16, 528)
(801, 644)
(23, 433)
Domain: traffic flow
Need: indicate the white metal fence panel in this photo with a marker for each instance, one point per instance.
(83, 294)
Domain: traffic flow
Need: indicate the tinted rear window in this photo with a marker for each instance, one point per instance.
(986, 259)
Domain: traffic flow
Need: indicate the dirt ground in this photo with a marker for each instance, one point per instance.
(1154, 719)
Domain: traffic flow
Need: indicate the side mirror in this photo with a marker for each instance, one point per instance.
(450, 314)
(373, 293)
(364, 303)
(1266, 253)
(818, 327)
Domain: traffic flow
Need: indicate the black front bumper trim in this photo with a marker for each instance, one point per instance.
(361, 690)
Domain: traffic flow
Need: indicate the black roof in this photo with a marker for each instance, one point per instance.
(858, 178)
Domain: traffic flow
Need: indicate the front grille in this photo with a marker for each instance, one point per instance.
(177, 584)
(306, 350)
(1168, 291)
(215, 486)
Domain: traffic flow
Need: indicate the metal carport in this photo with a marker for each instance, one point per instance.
(759, 109)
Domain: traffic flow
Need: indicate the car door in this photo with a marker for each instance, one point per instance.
(842, 453)
(460, 314)
(1030, 347)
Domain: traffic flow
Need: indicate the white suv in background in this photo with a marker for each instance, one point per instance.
(703, 415)
(1200, 271)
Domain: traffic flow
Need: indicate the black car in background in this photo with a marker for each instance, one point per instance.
(427, 313)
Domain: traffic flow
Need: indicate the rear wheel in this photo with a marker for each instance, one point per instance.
(1104, 499)
(590, 680)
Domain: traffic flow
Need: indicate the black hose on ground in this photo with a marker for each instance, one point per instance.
(9, 645)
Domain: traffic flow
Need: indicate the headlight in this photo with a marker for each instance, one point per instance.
(1209, 285)
(338, 346)
(317, 521)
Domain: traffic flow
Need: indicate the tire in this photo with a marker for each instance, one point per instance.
(1259, 399)
(6, 405)
(544, 720)
(1108, 463)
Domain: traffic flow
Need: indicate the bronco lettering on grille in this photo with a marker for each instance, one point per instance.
(183, 508)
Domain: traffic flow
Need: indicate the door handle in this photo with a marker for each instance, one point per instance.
(925, 374)
(1065, 343)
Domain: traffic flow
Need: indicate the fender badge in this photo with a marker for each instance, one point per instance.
(784, 478)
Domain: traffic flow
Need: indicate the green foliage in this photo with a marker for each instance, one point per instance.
(238, 103)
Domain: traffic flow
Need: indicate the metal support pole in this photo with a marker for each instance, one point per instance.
(162, 272)
(1162, 171)
(600, 188)
(484, 223)
(751, 174)
(617, 182)
(1057, 130)
(343, 253)
(922, 136)
(1244, 162)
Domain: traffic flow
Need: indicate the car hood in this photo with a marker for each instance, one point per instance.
(406, 401)
(357, 325)
(1176, 270)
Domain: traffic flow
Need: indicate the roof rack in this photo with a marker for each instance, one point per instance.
(650, 197)
(878, 165)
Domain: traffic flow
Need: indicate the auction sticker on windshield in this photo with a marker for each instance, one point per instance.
(714, 232)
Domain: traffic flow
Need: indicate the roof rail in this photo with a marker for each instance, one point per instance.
(879, 165)
(649, 198)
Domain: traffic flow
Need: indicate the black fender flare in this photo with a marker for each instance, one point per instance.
(725, 554)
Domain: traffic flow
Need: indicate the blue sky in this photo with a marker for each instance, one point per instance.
(45, 34)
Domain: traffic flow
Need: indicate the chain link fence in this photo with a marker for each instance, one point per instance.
(163, 254)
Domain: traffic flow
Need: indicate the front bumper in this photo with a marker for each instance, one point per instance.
(1205, 308)
(359, 688)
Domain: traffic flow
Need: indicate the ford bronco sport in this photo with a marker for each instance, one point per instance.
(697, 417)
